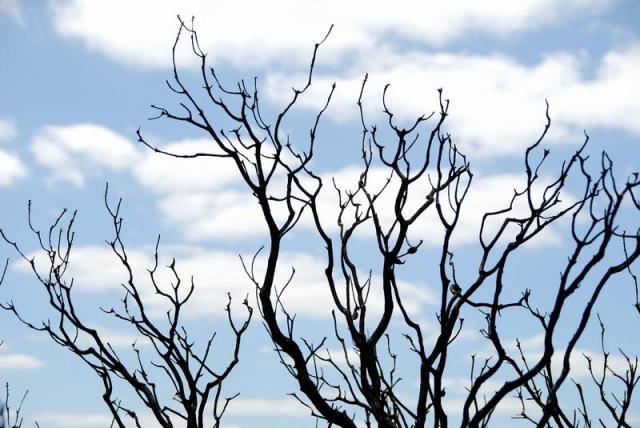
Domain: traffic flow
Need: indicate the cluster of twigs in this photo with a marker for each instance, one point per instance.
(196, 386)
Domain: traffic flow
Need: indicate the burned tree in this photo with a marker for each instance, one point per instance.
(194, 397)
(280, 177)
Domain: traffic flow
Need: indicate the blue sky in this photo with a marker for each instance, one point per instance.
(78, 77)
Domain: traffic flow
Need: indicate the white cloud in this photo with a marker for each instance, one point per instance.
(11, 9)
(219, 216)
(266, 407)
(11, 169)
(217, 273)
(72, 152)
(608, 100)
(101, 420)
(207, 201)
(87, 260)
(497, 104)
(117, 338)
(508, 406)
(198, 194)
(487, 193)
(633, 418)
(580, 368)
(8, 128)
(73, 420)
(17, 361)
(337, 356)
(533, 350)
(310, 285)
(164, 174)
(461, 385)
(239, 33)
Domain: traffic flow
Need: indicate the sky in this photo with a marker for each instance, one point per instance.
(78, 78)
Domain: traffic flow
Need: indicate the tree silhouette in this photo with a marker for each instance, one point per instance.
(426, 175)
(280, 177)
(195, 398)
(10, 417)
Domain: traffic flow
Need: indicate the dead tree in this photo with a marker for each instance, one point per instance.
(11, 417)
(194, 398)
(280, 177)
(278, 174)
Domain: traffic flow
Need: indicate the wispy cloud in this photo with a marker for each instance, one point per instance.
(216, 273)
(17, 361)
(73, 420)
(72, 152)
(293, 25)
(266, 407)
(497, 103)
(207, 200)
(12, 169)
(101, 420)
(8, 129)
(12, 9)
(11, 166)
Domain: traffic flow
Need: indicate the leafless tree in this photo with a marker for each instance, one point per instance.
(194, 397)
(10, 417)
(426, 174)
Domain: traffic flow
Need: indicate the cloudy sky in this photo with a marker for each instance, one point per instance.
(78, 78)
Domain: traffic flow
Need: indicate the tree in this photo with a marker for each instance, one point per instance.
(10, 418)
(195, 384)
(440, 174)
(426, 173)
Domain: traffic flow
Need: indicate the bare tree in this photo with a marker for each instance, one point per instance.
(10, 417)
(426, 174)
(194, 397)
